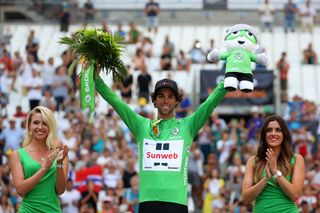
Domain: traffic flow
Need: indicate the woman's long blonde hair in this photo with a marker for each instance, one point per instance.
(49, 119)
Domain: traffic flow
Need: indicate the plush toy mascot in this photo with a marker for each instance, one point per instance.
(241, 42)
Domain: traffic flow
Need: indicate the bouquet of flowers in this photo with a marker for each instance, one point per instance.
(97, 51)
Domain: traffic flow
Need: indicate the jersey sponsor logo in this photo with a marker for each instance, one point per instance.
(175, 131)
(239, 56)
(87, 87)
(162, 155)
(185, 168)
(185, 171)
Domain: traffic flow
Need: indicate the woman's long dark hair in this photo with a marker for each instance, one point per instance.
(286, 152)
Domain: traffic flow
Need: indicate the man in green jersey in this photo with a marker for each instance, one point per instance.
(164, 144)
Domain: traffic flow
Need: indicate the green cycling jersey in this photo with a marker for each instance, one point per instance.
(164, 153)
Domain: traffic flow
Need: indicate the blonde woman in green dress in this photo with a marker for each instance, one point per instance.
(39, 169)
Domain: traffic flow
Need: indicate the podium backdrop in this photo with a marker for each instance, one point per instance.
(263, 93)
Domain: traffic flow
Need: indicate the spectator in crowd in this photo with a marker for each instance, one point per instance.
(69, 139)
(89, 198)
(131, 195)
(196, 52)
(213, 192)
(29, 66)
(45, 176)
(211, 46)
(34, 87)
(104, 27)
(183, 61)
(18, 64)
(144, 82)
(254, 124)
(150, 135)
(32, 46)
(48, 100)
(211, 163)
(12, 136)
(139, 60)
(128, 173)
(308, 196)
(184, 108)
(283, 67)
(168, 46)
(5, 204)
(166, 54)
(295, 106)
(165, 61)
(310, 55)
(111, 176)
(120, 32)
(315, 175)
(7, 61)
(89, 11)
(304, 207)
(126, 86)
(240, 206)
(290, 11)
(73, 106)
(64, 20)
(204, 140)
(61, 87)
(48, 72)
(236, 173)
(152, 10)
(275, 170)
(69, 200)
(266, 13)
(308, 15)
(19, 114)
(4, 90)
(217, 125)
(86, 208)
(134, 35)
(107, 205)
(2, 47)
(3, 104)
(226, 146)
(147, 46)
(195, 173)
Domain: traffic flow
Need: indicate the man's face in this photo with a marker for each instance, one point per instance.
(166, 103)
(12, 124)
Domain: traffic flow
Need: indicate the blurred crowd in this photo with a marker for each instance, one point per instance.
(103, 156)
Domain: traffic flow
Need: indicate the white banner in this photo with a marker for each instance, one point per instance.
(162, 155)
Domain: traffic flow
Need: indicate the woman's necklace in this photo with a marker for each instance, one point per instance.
(42, 158)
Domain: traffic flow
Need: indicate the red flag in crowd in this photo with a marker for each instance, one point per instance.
(82, 176)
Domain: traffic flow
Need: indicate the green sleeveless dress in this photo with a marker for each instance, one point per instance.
(43, 197)
(272, 199)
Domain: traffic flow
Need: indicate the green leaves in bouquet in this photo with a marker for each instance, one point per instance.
(102, 47)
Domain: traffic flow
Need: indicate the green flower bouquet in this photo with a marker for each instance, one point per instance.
(97, 51)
